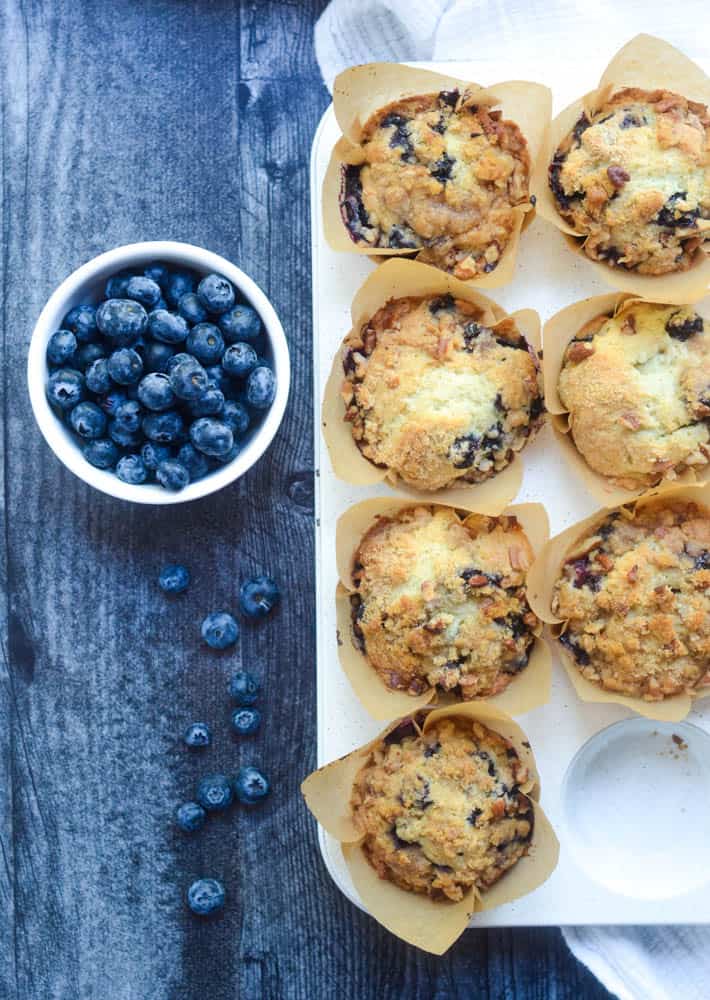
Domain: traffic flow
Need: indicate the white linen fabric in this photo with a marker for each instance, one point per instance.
(634, 963)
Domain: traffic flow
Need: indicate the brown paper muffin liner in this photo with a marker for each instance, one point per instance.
(362, 90)
(398, 279)
(648, 63)
(529, 689)
(557, 334)
(542, 577)
(429, 924)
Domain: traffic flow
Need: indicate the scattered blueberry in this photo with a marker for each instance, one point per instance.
(179, 283)
(65, 388)
(129, 415)
(188, 379)
(81, 320)
(155, 392)
(240, 323)
(205, 896)
(261, 388)
(97, 377)
(144, 290)
(163, 428)
(211, 437)
(156, 356)
(86, 354)
(235, 416)
(153, 454)
(88, 420)
(125, 366)
(239, 360)
(197, 735)
(251, 786)
(190, 816)
(173, 579)
(259, 596)
(216, 293)
(191, 309)
(246, 721)
(112, 400)
(172, 475)
(244, 688)
(209, 404)
(205, 343)
(194, 461)
(102, 453)
(121, 320)
(131, 469)
(167, 327)
(214, 792)
(219, 630)
(61, 347)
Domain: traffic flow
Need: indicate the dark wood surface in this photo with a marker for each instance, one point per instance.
(147, 119)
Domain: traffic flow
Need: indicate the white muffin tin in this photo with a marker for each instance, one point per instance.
(629, 798)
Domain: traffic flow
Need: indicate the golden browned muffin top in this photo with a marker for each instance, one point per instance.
(435, 396)
(441, 602)
(442, 812)
(635, 593)
(440, 174)
(637, 388)
(634, 178)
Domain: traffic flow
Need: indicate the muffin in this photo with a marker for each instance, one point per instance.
(635, 596)
(634, 179)
(441, 602)
(442, 812)
(442, 174)
(637, 388)
(436, 397)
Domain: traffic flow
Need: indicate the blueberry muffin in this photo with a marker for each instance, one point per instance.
(634, 179)
(440, 174)
(442, 812)
(637, 388)
(441, 602)
(635, 593)
(436, 397)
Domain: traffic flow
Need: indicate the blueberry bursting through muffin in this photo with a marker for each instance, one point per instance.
(635, 595)
(440, 174)
(442, 602)
(441, 812)
(435, 396)
(633, 179)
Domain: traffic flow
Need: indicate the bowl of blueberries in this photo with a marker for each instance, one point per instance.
(158, 372)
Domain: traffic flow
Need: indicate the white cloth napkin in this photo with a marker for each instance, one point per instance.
(634, 963)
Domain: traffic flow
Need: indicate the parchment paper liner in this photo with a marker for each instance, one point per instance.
(557, 334)
(541, 582)
(398, 279)
(648, 63)
(362, 90)
(430, 925)
(529, 689)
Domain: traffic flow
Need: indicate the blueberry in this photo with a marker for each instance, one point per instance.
(164, 428)
(240, 323)
(261, 388)
(259, 596)
(86, 354)
(205, 896)
(190, 817)
(65, 388)
(156, 356)
(61, 347)
(173, 579)
(219, 630)
(155, 392)
(97, 376)
(167, 327)
(197, 735)
(251, 786)
(194, 461)
(117, 284)
(88, 420)
(112, 400)
(211, 437)
(124, 438)
(121, 320)
(205, 342)
(239, 360)
(172, 475)
(131, 469)
(125, 366)
(188, 379)
(129, 415)
(246, 721)
(210, 403)
(102, 453)
(143, 290)
(218, 378)
(235, 416)
(214, 792)
(216, 293)
(176, 360)
(179, 283)
(191, 309)
(157, 272)
(244, 688)
(153, 454)
(81, 320)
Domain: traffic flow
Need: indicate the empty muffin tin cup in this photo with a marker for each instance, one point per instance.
(636, 808)
(650, 64)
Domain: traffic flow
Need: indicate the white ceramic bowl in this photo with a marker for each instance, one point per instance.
(86, 284)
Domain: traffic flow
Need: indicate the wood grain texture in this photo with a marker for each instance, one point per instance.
(137, 120)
